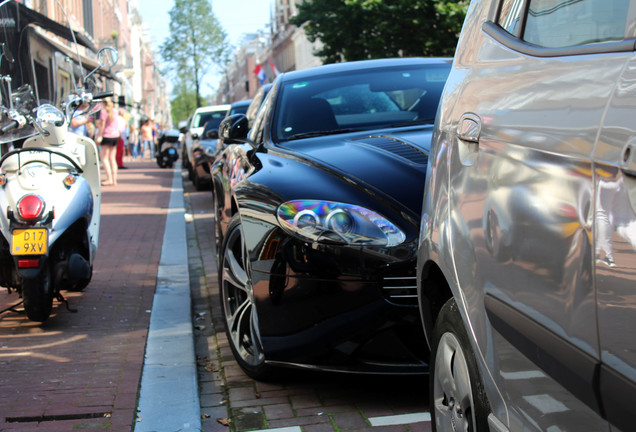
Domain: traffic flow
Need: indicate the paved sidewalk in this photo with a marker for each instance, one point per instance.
(82, 370)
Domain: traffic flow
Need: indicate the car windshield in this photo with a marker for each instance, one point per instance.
(202, 118)
(359, 100)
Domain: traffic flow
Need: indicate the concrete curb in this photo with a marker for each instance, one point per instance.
(169, 395)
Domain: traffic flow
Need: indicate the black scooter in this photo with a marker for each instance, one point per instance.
(167, 145)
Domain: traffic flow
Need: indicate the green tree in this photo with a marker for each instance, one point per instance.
(364, 29)
(196, 42)
(184, 100)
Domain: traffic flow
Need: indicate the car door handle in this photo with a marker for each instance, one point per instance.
(469, 128)
(468, 133)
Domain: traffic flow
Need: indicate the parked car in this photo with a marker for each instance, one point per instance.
(257, 102)
(527, 258)
(193, 130)
(317, 218)
(203, 153)
(238, 107)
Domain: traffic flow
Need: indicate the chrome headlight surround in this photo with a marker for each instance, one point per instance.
(339, 223)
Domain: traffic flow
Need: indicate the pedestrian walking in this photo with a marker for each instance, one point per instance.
(148, 138)
(133, 141)
(79, 124)
(122, 143)
(108, 137)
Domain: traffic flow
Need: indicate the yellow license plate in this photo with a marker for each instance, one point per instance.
(30, 241)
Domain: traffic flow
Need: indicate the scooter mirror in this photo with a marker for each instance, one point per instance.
(107, 57)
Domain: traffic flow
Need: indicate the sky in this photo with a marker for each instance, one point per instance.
(237, 17)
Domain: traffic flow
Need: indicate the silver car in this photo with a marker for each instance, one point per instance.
(527, 257)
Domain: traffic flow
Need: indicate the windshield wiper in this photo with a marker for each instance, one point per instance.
(321, 133)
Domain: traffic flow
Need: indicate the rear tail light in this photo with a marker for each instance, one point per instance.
(31, 207)
(29, 263)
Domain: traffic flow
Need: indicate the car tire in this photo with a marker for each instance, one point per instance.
(457, 397)
(37, 295)
(199, 184)
(237, 303)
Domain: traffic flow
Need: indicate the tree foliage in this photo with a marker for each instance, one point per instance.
(184, 100)
(364, 29)
(196, 43)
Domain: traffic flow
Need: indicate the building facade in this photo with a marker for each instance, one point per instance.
(263, 55)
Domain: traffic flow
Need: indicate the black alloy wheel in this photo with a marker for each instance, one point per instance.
(237, 301)
(457, 395)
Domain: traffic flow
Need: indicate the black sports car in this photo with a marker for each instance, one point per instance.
(317, 218)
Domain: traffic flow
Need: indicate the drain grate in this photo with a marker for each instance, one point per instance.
(57, 417)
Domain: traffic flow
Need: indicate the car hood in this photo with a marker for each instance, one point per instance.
(389, 162)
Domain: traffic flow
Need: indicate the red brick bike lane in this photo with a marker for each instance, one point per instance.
(81, 370)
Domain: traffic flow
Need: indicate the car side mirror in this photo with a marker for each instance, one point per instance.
(212, 134)
(234, 128)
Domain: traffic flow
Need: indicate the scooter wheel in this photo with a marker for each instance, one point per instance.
(37, 295)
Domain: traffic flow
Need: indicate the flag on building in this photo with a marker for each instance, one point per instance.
(260, 73)
(271, 65)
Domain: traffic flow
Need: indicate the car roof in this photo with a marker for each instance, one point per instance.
(363, 64)
(209, 108)
(242, 102)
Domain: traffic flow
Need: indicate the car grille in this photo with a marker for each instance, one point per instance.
(400, 290)
(399, 148)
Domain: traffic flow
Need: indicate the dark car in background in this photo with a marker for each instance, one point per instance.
(239, 107)
(257, 101)
(317, 218)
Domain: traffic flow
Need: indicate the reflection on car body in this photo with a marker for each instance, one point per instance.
(526, 265)
(317, 215)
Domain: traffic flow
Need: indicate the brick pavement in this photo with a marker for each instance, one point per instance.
(81, 370)
(302, 401)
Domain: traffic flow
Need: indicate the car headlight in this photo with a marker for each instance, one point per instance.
(335, 222)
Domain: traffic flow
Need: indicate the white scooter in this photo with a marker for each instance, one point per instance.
(50, 194)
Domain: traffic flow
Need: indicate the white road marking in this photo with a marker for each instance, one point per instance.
(283, 429)
(400, 419)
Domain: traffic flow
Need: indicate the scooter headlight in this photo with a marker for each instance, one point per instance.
(48, 114)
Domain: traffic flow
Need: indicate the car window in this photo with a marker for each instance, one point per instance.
(561, 24)
(258, 127)
(360, 100)
(212, 124)
(200, 119)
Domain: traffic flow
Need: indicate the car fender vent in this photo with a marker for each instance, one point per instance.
(400, 290)
(398, 148)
